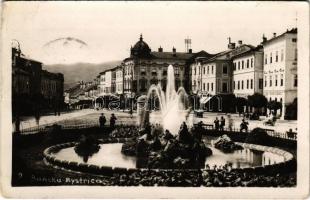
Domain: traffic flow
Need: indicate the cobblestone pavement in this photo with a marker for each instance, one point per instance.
(90, 116)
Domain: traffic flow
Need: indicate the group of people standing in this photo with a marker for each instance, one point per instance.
(220, 124)
(103, 120)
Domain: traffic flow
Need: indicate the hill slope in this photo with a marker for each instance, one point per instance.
(79, 71)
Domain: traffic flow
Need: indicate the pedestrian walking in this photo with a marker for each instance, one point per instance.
(130, 112)
(102, 120)
(230, 122)
(244, 126)
(112, 120)
(216, 123)
(222, 123)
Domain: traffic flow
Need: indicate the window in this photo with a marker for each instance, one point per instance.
(295, 54)
(224, 87)
(270, 57)
(238, 85)
(242, 64)
(208, 69)
(234, 66)
(260, 83)
(204, 87)
(295, 81)
(282, 55)
(242, 85)
(154, 73)
(238, 65)
(212, 70)
(224, 68)
(251, 62)
(265, 58)
(251, 83)
(276, 80)
(276, 56)
(177, 71)
(281, 80)
(270, 81)
(247, 84)
(247, 63)
(211, 86)
(265, 81)
(143, 83)
(143, 72)
(281, 100)
(234, 85)
(204, 70)
(208, 87)
(165, 72)
(294, 40)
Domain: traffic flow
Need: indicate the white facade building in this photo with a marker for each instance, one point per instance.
(248, 73)
(280, 68)
(119, 80)
(108, 82)
(101, 86)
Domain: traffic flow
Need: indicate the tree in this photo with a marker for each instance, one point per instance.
(257, 101)
(291, 111)
(274, 105)
(240, 102)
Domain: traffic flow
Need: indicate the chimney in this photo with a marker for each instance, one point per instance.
(274, 34)
(240, 42)
(232, 45)
(264, 38)
(173, 50)
(190, 50)
(160, 49)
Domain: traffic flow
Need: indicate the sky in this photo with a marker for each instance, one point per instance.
(110, 28)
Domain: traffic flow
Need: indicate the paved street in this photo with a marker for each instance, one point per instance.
(90, 116)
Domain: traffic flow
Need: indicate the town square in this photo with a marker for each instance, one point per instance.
(153, 104)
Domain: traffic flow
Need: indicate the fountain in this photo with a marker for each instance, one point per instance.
(172, 105)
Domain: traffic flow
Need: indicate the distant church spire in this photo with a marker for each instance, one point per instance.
(141, 38)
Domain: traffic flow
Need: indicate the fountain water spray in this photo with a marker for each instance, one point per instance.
(172, 104)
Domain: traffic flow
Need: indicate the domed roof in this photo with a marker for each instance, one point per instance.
(141, 48)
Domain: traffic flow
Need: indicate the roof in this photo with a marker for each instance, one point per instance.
(171, 55)
(259, 48)
(292, 31)
(109, 68)
(91, 87)
(16, 70)
(229, 54)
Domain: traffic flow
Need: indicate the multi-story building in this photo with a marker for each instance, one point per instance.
(34, 90)
(52, 90)
(248, 72)
(280, 68)
(119, 80)
(214, 75)
(108, 82)
(145, 67)
(101, 86)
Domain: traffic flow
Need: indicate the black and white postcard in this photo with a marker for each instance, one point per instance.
(135, 99)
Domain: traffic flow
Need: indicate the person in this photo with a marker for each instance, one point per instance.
(230, 123)
(244, 126)
(102, 120)
(130, 113)
(112, 120)
(216, 123)
(168, 135)
(222, 123)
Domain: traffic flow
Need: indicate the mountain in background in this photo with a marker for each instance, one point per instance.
(74, 73)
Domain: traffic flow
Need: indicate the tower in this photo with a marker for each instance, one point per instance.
(188, 44)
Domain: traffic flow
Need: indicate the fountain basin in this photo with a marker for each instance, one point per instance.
(109, 159)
